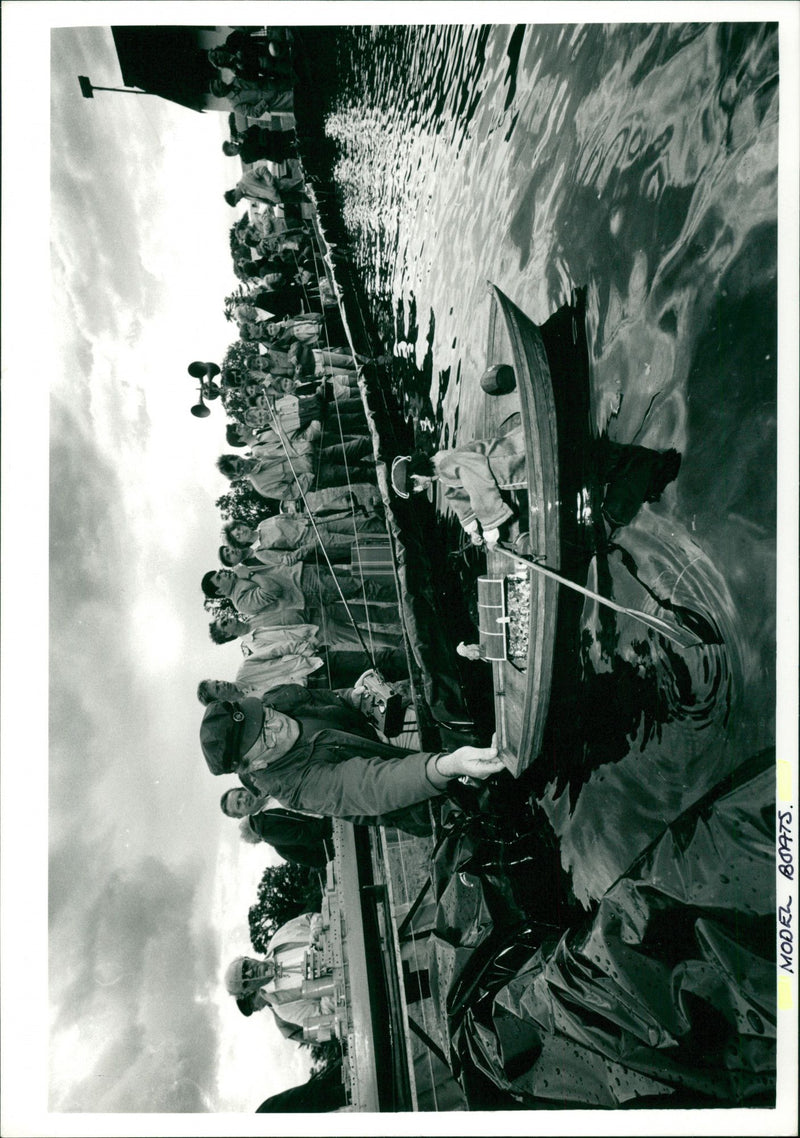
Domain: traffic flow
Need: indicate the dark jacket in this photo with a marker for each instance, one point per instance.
(338, 767)
(295, 837)
(287, 301)
(323, 1092)
(258, 143)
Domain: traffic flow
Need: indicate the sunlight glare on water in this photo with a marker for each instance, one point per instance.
(639, 162)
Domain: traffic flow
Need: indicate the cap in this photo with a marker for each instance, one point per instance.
(399, 475)
(238, 985)
(233, 977)
(228, 731)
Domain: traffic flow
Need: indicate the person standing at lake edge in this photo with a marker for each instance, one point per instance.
(273, 474)
(277, 979)
(291, 594)
(337, 631)
(265, 633)
(295, 587)
(255, 101)
(258, 144)
(296, 535)
(260, 185)
(315, 750)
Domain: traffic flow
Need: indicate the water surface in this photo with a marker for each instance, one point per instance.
(638, 162)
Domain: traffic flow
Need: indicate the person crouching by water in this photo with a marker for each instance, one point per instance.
(472, 478)
(315, 750)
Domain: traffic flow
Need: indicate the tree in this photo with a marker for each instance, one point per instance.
(216, 606)
(238, 296)
(323, 1054)
(238, 247)
(240, 355)
(245, 504)
(240, 272)
(285, 891)
(235, 403)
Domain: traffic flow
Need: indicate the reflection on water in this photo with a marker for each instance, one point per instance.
(639, 162)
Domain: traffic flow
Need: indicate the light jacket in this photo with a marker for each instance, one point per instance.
(276, 590)
(288, 948)
(295, 532)
(263, 675)
(270, 641)
(279, 655)
(273, 477)
(472, 476)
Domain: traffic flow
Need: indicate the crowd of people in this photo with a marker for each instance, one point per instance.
(296, 724)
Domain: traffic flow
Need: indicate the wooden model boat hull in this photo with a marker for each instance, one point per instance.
(522, 693)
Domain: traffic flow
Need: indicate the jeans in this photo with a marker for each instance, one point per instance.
(341, 668)
(319, 586)
(351, 451)
(336, 628)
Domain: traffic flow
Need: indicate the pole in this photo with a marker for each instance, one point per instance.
(279, 432)
(673, 632)
(88, 88)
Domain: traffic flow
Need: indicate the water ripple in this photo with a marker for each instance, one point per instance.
(639, 161)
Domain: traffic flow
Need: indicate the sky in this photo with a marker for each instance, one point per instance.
(149, 884)
(116, 239)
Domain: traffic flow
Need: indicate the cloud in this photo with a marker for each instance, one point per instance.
(97, 222)
(140, 263)
(132, 976)
(103, 178)
(87, 598)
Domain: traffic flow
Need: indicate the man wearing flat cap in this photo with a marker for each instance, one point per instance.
(315, 750)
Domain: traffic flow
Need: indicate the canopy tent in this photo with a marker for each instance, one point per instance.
(170, 61)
